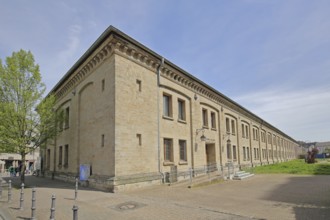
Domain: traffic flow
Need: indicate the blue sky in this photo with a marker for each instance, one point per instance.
(270, 56)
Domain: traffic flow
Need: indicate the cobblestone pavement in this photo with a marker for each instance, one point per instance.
(260, 197)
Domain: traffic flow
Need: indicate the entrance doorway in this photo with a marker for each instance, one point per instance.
(210, 157)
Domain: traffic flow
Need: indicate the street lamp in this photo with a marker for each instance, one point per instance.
(203, 137)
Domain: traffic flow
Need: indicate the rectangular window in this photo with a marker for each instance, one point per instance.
(103, 84)
(66, 155)
(248, 153)
(168, 150)
(139, 85)
(205, 118)
(67, 117)
(227, 126)
(234, 152)
(243, 131)
(233, 129)
(181, 110)
(247, 131)
(167, 105)
(228, 151)
(60, 152)
(213, 120)
(139, 137)
(102, 140)
(258, 153)
(48, 159)
(183, 150)
(257, 134)
(61, 117)
(269, 138)
(244, 153)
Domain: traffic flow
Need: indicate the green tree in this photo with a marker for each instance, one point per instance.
(27, 118)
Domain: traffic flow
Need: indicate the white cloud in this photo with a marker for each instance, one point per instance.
(302, 114)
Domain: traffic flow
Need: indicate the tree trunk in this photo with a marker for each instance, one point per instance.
(22, 171)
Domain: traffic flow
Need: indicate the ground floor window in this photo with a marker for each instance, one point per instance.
(183, 150)
(234, 153)
(168, 150)
(244, 153)
(228, 151)
(48, 159)
(66, 155)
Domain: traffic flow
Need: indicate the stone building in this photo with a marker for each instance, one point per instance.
(133, 118)
(32, 161)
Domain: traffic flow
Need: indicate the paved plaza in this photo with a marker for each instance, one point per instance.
(260, 197)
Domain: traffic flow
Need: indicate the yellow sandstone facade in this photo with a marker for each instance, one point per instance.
(134, 119)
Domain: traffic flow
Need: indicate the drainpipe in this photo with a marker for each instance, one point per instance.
(158, 112)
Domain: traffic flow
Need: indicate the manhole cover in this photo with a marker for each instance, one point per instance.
(128, 206)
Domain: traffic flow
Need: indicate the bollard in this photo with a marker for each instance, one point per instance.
(75, 212)
(76, 190)
(52, 209)
(0, 188)
(33, 207)
(9, 191)
(21, 200)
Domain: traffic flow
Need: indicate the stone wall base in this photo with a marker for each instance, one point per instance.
(111, 184)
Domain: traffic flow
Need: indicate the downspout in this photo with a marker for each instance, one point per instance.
(158, 113)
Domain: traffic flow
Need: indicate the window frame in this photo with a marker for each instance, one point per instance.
(183, 149)
(168, 150)
(181, 110)
(167, 106)
(60, 155)
(66, 155)
(213, 120)
(205, 118)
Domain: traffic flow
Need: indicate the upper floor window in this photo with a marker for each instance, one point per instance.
(213, 120)
(205, 118)
(67, 117)
(139, 85)
(227, 126)
(167, 105)
(247, 131)
(103, 84)
(233, 128)
(243, 131)
(181, 110)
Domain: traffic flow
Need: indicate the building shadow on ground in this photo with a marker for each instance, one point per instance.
(309, 196)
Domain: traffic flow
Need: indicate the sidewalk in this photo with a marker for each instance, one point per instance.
(260, 197)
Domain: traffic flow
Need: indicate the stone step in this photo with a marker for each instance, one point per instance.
(242, 175)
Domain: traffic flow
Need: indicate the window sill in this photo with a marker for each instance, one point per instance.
(182, 121)
(168, 118)
(214, 129)
(168, 163)
(183, 163)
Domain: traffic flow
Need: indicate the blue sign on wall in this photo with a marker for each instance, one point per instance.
(84, 172)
